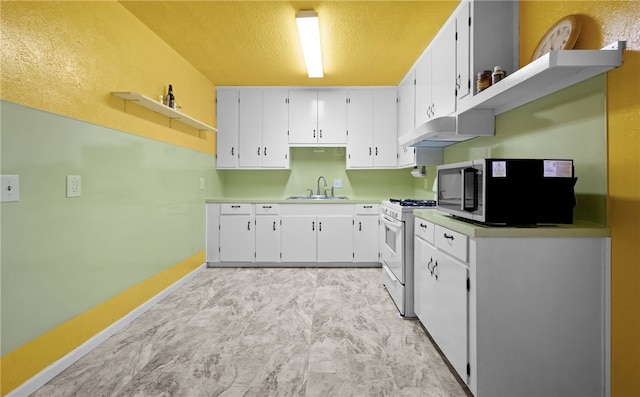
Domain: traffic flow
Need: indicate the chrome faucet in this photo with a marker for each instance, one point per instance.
(325, 183)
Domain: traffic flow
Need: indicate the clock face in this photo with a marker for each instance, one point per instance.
(561, 36)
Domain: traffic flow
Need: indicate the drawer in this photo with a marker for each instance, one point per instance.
(267, 209)
(236, 209)
(367, 209)
(453, 243)
(425, 230)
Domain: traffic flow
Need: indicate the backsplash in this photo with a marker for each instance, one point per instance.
(307, 165)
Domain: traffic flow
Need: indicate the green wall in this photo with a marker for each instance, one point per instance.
(568, 124)
(308, 165)
(140, 212)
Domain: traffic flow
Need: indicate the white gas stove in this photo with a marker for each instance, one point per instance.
(396, 250)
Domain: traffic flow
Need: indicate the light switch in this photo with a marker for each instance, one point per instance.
(74, 185)
(10, 188)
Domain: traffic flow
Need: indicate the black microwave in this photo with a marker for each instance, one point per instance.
(508, 191)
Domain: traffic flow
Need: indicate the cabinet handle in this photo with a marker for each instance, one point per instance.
(376, 150)
(436, 273)
(429, 266)
(424, 226)
(369, 151)
(249, 225)
(448, 237)
(368, 206)
(274, 225)
(360, 226)
(314, 133)
(258, 151)
(313, 226)
(319, 226)
(235, 206)
(266, 206)
(264, 151)
(232, 151)
(320, 136)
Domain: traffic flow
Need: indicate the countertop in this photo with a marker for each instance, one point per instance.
(577, 229)
(299, 201)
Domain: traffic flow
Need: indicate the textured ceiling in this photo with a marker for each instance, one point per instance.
(256, 42)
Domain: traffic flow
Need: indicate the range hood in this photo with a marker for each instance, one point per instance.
(445, 131)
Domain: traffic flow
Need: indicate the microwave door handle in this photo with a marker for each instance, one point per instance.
(469, 172)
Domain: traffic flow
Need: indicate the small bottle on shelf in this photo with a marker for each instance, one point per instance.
(171, 100)
(498, 74)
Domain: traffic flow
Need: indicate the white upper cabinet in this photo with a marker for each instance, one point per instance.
(275, 121)
(250, 135)
(227, 135)
(406, 117)
(372, 126)
(462, 18)
(318, 117)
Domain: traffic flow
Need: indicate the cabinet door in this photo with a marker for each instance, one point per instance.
(423, 88)
(299, 238)
(213, 232)
(335, 238)
(463, 39)
(443, 71)
(406, 121)
(332, 116)
(385, 128)
(250, 127)
(303, 116)
(227, 135)
(267, 238)
(237, 238)
(423, 261)
(360, 129)
(365, 238)
(446, 310)
(275, 119)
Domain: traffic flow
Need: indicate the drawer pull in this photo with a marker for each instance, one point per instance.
(266, 206)
(368, 206)
(235, 206)
(448, 237)
(424, 226)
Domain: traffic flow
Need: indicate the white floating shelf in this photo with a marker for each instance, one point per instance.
(549, 73)
(158, 107)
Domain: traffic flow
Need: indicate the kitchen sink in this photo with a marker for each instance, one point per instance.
(317, 197)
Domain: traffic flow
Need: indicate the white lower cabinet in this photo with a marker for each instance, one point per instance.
(268, 234)
(441, 300)
(237, 234)
(263, 234)
(366, 225)
(317, 239)
(517, 316)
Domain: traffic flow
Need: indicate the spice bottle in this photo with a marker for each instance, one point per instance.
(498, 74)
(171, 101)
(484, 80)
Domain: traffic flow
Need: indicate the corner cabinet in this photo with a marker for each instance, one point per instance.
(523, 315)
(227, 136)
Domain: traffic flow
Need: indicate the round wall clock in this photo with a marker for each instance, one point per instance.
(561, 36)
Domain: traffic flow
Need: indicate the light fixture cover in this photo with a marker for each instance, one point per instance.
(309, 33)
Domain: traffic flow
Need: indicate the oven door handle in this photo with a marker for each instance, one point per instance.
(391, 222)
(390, 274)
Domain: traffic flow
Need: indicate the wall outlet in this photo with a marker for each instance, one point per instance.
(201, 183)
(337, 183)
(74, 185)
(10, 188)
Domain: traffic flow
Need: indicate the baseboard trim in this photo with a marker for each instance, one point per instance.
(44, 376)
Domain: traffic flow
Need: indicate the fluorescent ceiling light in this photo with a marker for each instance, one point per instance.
(310, 38)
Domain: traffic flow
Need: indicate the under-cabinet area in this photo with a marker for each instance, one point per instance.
(516, 311)
(277, 234)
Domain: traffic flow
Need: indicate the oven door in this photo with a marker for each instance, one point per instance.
(392, 246)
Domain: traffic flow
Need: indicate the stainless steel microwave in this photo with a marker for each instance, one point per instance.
(508, 191)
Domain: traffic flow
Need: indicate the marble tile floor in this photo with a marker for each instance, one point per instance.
(266, 332)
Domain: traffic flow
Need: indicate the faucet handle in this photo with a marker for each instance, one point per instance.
(325, 192)
(310, 192)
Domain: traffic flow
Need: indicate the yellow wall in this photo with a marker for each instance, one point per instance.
(603, 23)
(67, 58)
